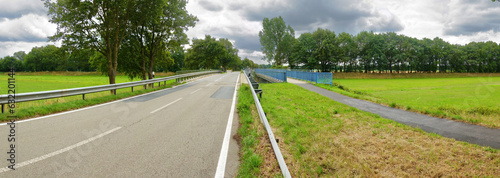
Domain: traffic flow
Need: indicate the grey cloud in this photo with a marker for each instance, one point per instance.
(337, 15)
(208, 5)
(23, 38)
(14, 9)
(469, 17)
(27, 28)
(251, 43)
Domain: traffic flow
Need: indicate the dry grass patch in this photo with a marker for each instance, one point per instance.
(325, 138)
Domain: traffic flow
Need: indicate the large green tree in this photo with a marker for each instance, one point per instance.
(160, 26)
(101, 25)
(277, 40)
(303, 51)
(326, 52)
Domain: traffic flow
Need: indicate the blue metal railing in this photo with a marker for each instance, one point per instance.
(274, 73)
(317, 77)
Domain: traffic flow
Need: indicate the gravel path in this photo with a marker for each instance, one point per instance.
(458, 130)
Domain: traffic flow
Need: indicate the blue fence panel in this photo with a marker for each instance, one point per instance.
(325, 78)
(274, 73)
(317, 77)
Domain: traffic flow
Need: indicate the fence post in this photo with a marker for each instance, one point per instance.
(331, 84)
(285, 75)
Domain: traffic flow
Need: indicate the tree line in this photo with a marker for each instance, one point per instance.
(208, 53)
(135, 37)
(373, 52)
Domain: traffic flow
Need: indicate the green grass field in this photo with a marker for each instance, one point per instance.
(44, 81)
(323, 138)
(472, 99)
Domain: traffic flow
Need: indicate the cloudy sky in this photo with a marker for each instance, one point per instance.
(24, 23)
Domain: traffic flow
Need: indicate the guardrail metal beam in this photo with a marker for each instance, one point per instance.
(33, 96)
(274, 144)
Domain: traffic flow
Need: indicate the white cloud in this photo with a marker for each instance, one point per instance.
(16, 8)
(255, 56)
(29, 27)
(8, 48)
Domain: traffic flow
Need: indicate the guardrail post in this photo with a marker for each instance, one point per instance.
(83, 96)
(132, 89)
(2, 107)
(114, 91)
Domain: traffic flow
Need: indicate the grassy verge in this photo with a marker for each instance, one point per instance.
(472, 100)
(321, 137)
(38, 108)
(256, 154)
(44, 81)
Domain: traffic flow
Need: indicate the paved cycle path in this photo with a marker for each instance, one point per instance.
(447, 128)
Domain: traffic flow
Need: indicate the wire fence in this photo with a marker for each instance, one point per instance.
(317, 77)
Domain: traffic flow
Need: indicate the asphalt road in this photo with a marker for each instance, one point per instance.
(175, 132)
(452, 129)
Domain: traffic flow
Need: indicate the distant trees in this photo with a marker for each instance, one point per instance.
(210, 53)
(248, 63)
(383, 52)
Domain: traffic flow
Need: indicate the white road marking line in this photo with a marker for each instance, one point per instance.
(220, 78)
(221, 166)
(34, 160)
(195, 91)
(165, 106)
(208, 84)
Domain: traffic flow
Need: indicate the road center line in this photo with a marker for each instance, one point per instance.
(195, 91)
(220, 78)
(221, 165)
(165, 106)
(34, 160)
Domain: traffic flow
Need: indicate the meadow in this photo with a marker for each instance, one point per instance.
(469, 99)
(320, 137)
(45, 81)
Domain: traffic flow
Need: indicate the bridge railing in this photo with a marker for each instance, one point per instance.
(278, 75)
(281, 75)
(318, 77)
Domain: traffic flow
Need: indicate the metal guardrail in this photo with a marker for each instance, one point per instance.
(263, 119)
(189, 71)
(33, 96)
